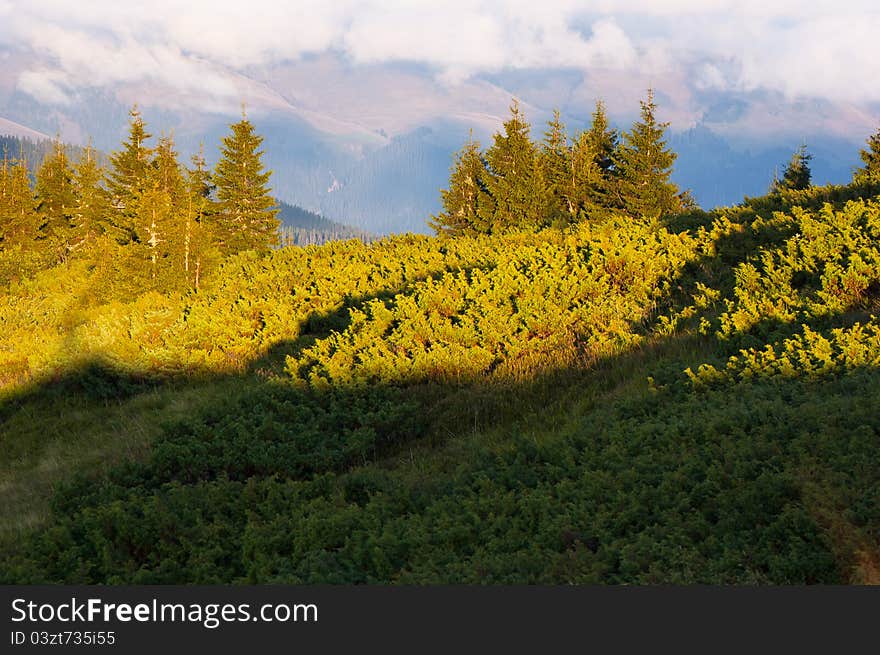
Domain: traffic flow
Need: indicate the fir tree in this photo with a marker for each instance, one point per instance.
(796, 175)
(55, 202)
(556, 160)
(245, 205)
(18, 221)
(200, 213)
(517, 191)
(870, 156)
(643, 167)
(461, 202)
(592, 163)
(91, 202)
(603, 139)
(159, 220)
(127, 178)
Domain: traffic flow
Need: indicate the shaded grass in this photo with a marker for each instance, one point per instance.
(743, 472)
(48, 437)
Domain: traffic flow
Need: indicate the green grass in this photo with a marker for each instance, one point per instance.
(50, 437)
(359, 441)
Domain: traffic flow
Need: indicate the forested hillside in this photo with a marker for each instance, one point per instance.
(300, 227)
(582, 378)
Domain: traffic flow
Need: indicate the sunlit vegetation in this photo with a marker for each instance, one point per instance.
(612, 391)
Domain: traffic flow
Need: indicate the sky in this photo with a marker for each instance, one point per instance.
(816, 49)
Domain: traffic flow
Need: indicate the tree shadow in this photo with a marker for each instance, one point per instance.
(577, 475)
(609, 469)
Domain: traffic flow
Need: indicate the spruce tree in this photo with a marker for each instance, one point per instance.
(643, 167)
(91, 202)
(246, 207)
(556, 160)
(159, 221)
(515, 184)
(603, 139)
(127, 177)
(461, 201)
(18, 220)
(870, 156)
(55, 197)
(6, 221)
(593, 157)
(796, 175)
(200, 214)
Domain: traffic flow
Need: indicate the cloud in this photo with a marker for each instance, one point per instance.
(821, 49)
(49, 86)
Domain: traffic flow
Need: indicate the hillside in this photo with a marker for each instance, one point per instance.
(300, 227)
(357, 147)
(687, 400)
(32, 151)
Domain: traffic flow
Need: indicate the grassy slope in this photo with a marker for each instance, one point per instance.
(609, 468)
(52, 436)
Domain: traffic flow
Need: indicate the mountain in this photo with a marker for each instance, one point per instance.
(11, 128)
(371, 145)
(300, 227)
(721, 174)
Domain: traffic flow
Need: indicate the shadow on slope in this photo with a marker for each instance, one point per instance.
(614, 471)
(576, 476)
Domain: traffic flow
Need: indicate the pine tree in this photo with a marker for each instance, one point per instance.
(127, 178)
(18, 220)
(593, 164)
(199, 234)
(556, 160)
(461, 202)
(159, 220)
(796, 175)
(870, 156)
(55, 201)
(245, 205)
(603, 138)
(517, 190)
(643, 167)
(91, 202)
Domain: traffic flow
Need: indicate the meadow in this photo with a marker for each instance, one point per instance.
(689, 399)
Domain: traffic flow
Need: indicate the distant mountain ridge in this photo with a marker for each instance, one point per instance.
(300, 227)
(387, 181)
(11, 128)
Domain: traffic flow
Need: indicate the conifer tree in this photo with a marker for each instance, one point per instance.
(461, 201)
(592, 163)
(603, 138)
(55, 200)
(796, 175)
(91, 202)
(200, 215)
(246, 208)
(643, 167)
(556, 160)
(127, 177)
(516, 184)
(18, 221)
(870, 156)
(159, 220)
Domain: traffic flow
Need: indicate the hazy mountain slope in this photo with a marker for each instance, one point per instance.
(11, 128)
(720, 174)
(300, 227)
(371, 145)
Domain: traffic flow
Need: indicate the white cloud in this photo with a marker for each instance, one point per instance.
(709, 76)
(49, 86)
(821, 48)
